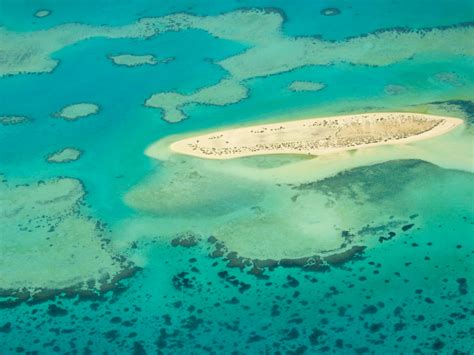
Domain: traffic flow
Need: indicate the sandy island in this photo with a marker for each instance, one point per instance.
(314, 136)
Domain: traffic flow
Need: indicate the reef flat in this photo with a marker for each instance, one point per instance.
(50, 244)
(131, 60)
(381, 48)
(76, 111)
(42, 13)
(13, 120)
(315, 136)
(64, 155)
(310, 224)
(306, 86)
(262, 32)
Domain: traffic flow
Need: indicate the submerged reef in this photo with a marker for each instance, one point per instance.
(330, 11)
(76, 111)
(260, 220)
(51, 246)
(386, 47)
(64, 155)
(270, 50)
(450, 78)
(363, 186)
(226, 92)
(464, 107)
(257, 267)
(13, 120)
(394, 89)
(42, 13)
(306, 86)
(373, 183)
(131, 60)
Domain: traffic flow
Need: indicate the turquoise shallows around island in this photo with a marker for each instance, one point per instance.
(111, 251)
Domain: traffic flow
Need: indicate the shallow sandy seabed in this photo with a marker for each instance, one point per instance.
(64, 155)
(48, 242)
(75, 111)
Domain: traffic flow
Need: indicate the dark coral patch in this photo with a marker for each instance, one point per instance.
(182, 281)
(6, 328)
(466, 106)
(257, 267)
(56, 311)
(438, 345)
(343, 257)
(407, 227)
(316, 335)
(186, 240)
(462, 285)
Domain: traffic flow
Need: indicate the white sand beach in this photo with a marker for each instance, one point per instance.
(316, 136)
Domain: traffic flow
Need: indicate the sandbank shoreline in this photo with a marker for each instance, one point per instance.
(313, 136)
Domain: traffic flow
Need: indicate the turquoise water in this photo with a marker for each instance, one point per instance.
(409, 291)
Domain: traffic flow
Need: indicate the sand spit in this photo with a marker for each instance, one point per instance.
(314, 136)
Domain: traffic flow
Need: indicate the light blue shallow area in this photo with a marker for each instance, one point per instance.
(404, 296)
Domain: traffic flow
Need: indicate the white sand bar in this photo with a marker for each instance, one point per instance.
(315, 136)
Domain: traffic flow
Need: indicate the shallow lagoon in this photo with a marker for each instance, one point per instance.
(409, 290)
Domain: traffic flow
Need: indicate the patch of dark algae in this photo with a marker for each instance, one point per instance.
(187, 239)
(257, 267)
(91, 290)
(467, 106)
